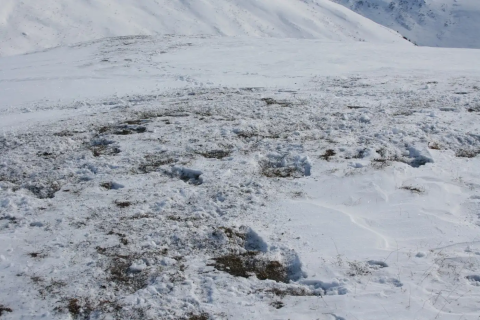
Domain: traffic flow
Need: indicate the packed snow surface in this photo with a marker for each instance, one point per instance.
(436, 23)
(31, 25)
(216, 178)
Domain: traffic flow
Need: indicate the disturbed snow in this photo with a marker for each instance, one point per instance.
(320, 194)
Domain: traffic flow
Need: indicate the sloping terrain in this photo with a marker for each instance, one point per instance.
(30, 25)
(436, 23)
(216, 178)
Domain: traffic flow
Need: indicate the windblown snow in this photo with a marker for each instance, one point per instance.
(32, 25)
(219, 178)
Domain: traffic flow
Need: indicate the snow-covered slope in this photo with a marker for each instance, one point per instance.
(438, 23)
(31, 25)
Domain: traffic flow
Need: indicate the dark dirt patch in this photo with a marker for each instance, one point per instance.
(101, 250)
(231, 234)
(434, 146)
(123, 132)
(247, 134)
(467, 153)
(128, 129)
(81, 308)
(50, 287)
(123, 204)
(45, 154)
(105, 151)
(202, 316)
(177, 114)
(74, 307)
(270, 171)
(380, 163)
(296, 292)
(103, 147)
(110, 185)
(4, 309)
(107, 185)
(104, 129)
(175, 218)
(413, 189)
(44, 190)
(356, 107)
(276, 168)
(136, 122)
(215, 154)
(123, 237)
(138, 217)
(361, 268)
(271, 101)
(36, 279)
(153, 162)
(37, 255)
(358, 268)
(360, 154)
(9, 219)
(122, 276)
(328, 154)
(247, 264)
(277, 304)
(474, 109)
(413, 162)
(65, 133)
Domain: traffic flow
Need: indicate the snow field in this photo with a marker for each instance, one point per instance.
(353, 197)
(312, 165)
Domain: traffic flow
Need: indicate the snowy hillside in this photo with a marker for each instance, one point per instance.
(437, 23)
(30, 25)
(204, 178)
(239, 160)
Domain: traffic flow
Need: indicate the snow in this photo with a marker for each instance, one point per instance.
(27, 26)
(136, 173)
(435, 23)
(170, 62)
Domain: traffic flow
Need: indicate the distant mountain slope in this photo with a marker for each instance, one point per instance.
(437, 23)
(32, 25)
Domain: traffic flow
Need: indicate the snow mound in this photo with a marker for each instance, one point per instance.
(33, 25)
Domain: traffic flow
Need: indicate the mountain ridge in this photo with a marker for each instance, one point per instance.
(439, 23)
(26, 27)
